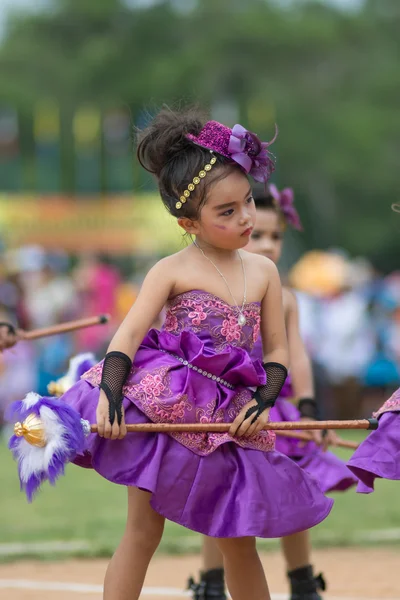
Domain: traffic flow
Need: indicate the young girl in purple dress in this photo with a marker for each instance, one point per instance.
(275, 212)
(199, 368)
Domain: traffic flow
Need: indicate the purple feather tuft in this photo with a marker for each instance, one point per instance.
(83, 367)
(65, 440)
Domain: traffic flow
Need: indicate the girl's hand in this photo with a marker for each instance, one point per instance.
(242, 427)
(325, 438)
(330, 438)
(105, 429)
(315, 434)
(8, 336)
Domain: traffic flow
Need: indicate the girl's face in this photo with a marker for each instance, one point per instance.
(267, 235)
(228, 215)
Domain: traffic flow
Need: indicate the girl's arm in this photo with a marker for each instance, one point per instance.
(276, 357)
(153, 295)
(155, 291)
(300, 364)
(273, 330)
(301, 373)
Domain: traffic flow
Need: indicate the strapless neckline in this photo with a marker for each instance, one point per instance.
(214, 297)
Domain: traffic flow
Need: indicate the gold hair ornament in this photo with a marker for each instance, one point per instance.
(196, 180)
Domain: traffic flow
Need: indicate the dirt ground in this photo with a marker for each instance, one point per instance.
(352, 574)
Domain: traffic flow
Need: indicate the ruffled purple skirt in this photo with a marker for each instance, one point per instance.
(378, 456)
(211, 483)
(331, 473)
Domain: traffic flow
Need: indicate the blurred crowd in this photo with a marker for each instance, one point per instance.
(40, 289)
(350, 319)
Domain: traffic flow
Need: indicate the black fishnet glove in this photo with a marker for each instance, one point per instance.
(308, 408)
(309, 412)
(266, 395)
(116, 368)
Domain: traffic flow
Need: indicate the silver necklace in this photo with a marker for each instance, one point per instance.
(241, 317)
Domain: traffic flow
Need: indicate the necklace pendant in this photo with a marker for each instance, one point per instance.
(241, 320)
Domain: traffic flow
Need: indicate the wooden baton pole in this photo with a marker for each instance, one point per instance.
(224, 427)
(349, 444)
(63, 327)
(304, 437)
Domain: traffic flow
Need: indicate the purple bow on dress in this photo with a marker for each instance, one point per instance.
(285, 201)
(251, 153)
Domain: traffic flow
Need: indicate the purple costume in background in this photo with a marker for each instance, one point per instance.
(199, 369)
(379, 454)
(331, 473)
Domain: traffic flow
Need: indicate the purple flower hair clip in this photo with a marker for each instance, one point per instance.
(239, 145)
(285, 202)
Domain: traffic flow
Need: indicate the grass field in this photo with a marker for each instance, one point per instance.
(83, 506)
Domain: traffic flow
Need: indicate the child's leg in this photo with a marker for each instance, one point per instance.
(211, 555)
(244, 573)
(127, 569)
(297, 551)
(212, 580)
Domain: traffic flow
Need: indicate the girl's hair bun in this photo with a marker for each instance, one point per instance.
(165, 151)
(165, 137)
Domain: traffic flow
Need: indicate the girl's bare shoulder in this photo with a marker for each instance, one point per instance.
(172, 261)
(257, 262)
(174, 269)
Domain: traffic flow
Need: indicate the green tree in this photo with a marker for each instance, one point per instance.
(329, 78)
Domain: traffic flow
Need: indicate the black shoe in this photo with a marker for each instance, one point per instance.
(303, 584)
(210, 587)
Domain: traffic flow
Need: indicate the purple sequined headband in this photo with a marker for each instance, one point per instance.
(237, 144)
(285, 203)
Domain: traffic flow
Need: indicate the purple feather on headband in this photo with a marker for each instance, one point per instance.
(239, 145)
(285, 202)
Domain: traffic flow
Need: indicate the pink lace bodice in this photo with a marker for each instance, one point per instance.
(213, 320)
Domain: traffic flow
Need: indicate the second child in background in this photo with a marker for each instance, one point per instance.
(275, 211)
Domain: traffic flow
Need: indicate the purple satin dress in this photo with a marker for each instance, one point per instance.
(198, 368)
(331, 473)
(378, 456)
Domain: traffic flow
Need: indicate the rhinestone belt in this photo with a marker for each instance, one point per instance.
(189, 365)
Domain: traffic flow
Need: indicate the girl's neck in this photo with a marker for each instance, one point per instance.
(214, 252)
